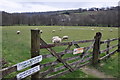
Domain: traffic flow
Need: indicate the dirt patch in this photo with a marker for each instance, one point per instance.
(94, 72)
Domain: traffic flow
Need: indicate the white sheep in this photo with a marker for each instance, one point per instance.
(65, 38)
(92, 29)
(18, 32)
(36, 28)
(111, 30)
(56, 39)
(53, 31)
(60, 29)
(41, 31)
(101, 29)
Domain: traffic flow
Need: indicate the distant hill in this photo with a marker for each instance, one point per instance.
(79, 17)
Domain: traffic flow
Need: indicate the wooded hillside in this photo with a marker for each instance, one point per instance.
(80, 17)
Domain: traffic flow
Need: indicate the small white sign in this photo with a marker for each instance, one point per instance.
(28, 72)
(29, 62)
(78, 50)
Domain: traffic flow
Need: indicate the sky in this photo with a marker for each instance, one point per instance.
(13, 6)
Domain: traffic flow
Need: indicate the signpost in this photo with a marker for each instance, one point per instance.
(28, 72)
(78, 50)
(29, 62)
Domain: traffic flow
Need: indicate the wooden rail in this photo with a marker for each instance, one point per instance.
(66, 71)
(108, 55)
(105, 41)
(64, 44)
(63, 67)
(13, 68)
(107, 49)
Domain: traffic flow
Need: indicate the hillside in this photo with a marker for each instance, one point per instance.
(80, 17)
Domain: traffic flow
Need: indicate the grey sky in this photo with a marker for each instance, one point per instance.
(52, 5)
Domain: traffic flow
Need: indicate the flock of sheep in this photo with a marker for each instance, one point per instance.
(102, 30)
(57, 39)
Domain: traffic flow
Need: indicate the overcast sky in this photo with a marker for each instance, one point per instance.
(12, 6)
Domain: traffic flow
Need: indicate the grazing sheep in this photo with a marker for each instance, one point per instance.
(41, 31)
(92, 29)
(111, 30)
(56, 39)
(101, 29)
(18, 32)
(60, 29)
(65, 38)
(53, 31)
(36, 28)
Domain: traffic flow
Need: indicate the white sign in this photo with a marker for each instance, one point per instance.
(78, 50)
(28, 72)
(29, 62)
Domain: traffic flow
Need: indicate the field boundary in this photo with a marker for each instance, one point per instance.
(67, 65)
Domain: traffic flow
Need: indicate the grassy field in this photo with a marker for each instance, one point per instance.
(16, 48)
(110, 66)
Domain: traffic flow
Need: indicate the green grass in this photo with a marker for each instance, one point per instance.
(109, 66)
(16, 48)
(77, 74)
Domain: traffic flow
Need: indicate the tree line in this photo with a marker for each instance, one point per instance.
(80, 17)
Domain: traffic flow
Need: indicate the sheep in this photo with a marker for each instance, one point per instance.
(65, 38)
(111, 30)
(41, 31)
(36, 28)
(92, 29)
(60, 29)
(53, 31)
(56, 39)
(101, 29)
(18, 32)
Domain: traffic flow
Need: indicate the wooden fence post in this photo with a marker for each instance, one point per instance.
(118, 45)
(35, 49)
(96, 48)
(108, 45)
